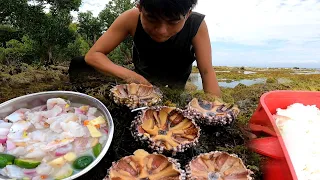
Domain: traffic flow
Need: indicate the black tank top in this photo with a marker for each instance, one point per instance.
(167, 63)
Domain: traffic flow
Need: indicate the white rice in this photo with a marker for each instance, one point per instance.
(301, 134)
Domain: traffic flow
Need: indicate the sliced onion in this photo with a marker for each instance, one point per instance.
(10, 145)
(38, 177)
(3, 139)
(5, 124)
(105, 129)
(29, 171)
(1, 148)
(4, 131)
(79, 111)
(63, 150)
(60, 154)
(91, 117)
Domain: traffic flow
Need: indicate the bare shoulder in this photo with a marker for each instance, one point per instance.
(203, 29)
(129, 19)
(201, 34)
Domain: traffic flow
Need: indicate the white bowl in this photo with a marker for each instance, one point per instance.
(37, 99)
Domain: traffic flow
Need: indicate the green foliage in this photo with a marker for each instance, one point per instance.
(17, 51)
(51, 37)
(113, 9)
(90, 27)
(58, 5)
(10, 10)
(116, 56)
(53, 31)
(77, 48)
(2, 55)
(48, 30)
(73, 27)
(123, 53)
(8, 32)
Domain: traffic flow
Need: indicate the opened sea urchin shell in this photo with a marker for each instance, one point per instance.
(211, 113)
(165, 128)
(145, 166)
(135, 95)
(217, 166)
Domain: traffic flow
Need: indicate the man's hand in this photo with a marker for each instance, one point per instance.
(134, 77)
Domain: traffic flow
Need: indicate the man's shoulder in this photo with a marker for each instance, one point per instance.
(132, 12)
(130, 19)
(131, 15)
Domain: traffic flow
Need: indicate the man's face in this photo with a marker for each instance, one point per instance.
(161, 29)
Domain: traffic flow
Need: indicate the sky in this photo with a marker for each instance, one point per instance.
(257, 33)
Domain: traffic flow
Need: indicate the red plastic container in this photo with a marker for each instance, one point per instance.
(278, 165)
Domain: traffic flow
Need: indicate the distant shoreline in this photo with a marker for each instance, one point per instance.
(253, 67)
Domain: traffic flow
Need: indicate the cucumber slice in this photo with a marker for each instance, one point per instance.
(26, 163)
(82, 162)
(6, 159)
(97, 150)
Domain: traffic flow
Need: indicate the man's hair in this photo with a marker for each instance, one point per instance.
(168, 8)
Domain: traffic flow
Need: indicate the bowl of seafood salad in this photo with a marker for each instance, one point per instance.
(53, 135)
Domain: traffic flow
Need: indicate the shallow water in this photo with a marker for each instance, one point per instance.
(249, 72)
(222, 71)
(195, 78)
(306, 72)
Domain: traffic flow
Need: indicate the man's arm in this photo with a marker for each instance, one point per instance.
(117, 32)
(202, 45)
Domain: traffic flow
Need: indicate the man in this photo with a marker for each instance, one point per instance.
(168, 37)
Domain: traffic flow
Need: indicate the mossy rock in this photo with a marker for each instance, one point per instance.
(271, 80)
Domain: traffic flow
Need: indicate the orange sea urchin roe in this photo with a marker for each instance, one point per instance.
(144, 165)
